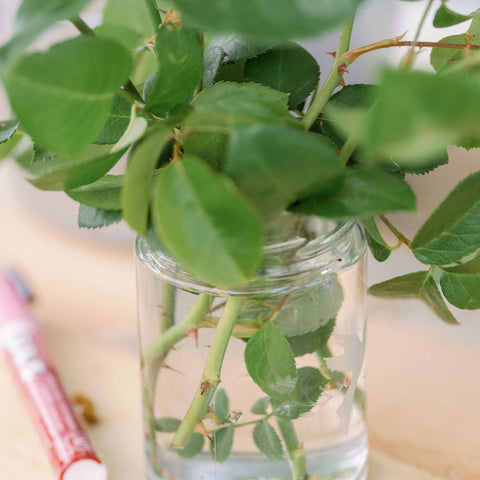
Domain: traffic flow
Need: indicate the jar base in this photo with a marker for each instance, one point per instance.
(348, 461)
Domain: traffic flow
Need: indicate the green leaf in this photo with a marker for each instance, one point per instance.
(260, 406)
(67, 173)
(415, 285)
(228, 49)
(7, 130)
(117, 122)
(313, 341)
(222, 443)
(63, 97)
(167, 424)
(198, 211)
(312, 383)
(311, 309)
(461, 284)
(366, 190)
(126, 21)
(378, 246)
(193, 447)
(270, 362)
(180, 60)
(33, 18)
(225, 105)
(444, 17)
(351, 96)
(277, 19)
(288, 68)
(361, 97)
(40, 154)
(220, 405)
(267, 440)
(104, 193)
(409, 122)
(136, 193)
(91, 217)
(275, 165)
(453, 231)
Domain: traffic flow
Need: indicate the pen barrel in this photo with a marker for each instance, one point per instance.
(22, 340)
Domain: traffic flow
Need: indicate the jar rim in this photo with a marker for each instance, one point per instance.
(323, 247)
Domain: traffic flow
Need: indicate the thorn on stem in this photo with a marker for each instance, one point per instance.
(213, 416)
(200, 428)
(204, 386)
(333, 54)
(193, 334)
(342, 68)
(168, 367)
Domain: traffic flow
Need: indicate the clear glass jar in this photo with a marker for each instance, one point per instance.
(213, 408)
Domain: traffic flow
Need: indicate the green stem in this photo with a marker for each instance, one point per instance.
(334, 77)
(347, 150)
(167, 315)
(211, 373)
(174, 334)
(153, 13)
(81, 26)
(407, 63)
(296, 455)
(401, 237)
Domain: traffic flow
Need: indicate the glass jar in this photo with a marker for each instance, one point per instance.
(262, 382)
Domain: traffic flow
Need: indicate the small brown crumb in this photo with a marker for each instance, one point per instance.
(86, 408)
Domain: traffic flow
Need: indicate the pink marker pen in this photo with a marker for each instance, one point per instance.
(70, 450)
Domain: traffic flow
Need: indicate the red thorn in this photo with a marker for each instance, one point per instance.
(200, 428)
(168, 367)
(213, 416)
(333, 54)
(342, 82)
(204, 386)
(342, 68)
(193, 334)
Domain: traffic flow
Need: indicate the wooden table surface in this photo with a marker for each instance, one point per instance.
(423, 388)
